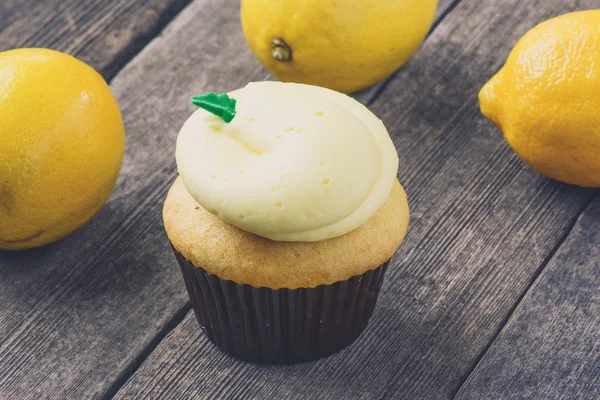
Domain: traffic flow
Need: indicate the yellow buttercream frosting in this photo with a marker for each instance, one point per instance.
(297, 163)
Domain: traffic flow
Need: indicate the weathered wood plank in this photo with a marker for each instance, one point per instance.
(104, 34)
(78, 315)
(550, 348)
(483, 225)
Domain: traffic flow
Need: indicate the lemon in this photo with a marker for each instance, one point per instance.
(546, 99)
(342, 45)
(61, 145)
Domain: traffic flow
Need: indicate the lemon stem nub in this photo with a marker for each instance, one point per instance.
(280, 50)
(220, 105)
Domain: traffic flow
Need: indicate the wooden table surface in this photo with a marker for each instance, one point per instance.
(495, 293)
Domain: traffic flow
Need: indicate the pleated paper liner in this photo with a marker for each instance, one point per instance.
(281, 326)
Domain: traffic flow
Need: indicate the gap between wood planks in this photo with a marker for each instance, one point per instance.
(534, 278)
(105, 35)
(123, 58)
(133, 366)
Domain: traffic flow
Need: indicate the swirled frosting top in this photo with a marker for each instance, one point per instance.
(296, 163)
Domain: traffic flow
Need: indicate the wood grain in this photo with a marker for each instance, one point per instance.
(78, 316)
(550, 348)
(104, 34)
(483, 226)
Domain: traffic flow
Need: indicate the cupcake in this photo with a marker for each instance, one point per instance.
(284, 216)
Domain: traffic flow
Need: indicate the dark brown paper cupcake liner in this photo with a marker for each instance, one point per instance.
(281, 326)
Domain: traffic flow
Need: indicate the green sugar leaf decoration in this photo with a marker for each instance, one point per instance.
(220, 105)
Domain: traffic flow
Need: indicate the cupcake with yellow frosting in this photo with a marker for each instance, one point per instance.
(283, 219)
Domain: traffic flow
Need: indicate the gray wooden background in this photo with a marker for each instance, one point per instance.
(494, 295)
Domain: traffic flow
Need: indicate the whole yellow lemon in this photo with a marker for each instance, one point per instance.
(546, 99)
(61, 145)
(342, 45)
